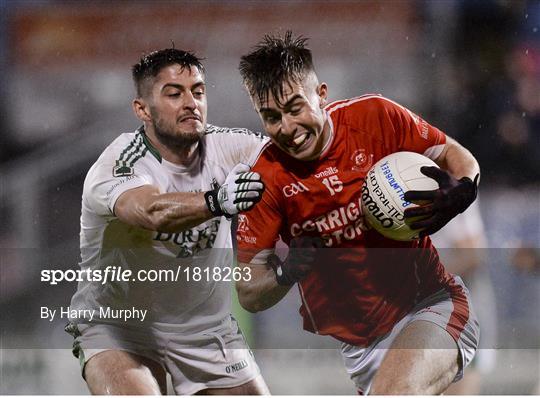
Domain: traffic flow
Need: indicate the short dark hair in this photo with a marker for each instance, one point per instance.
(274, 61)
(151, 64)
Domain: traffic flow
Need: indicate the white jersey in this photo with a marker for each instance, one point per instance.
(130, 162)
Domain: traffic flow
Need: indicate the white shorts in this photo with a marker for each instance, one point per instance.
(449, 309)
(213, 359)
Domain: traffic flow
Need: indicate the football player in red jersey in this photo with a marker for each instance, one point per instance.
(407, 326)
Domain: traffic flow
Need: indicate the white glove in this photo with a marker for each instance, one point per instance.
(241, 190)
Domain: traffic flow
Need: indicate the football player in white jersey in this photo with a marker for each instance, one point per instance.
(161, 199)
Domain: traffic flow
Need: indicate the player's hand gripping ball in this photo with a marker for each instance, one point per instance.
(439, 206)
(383, 193)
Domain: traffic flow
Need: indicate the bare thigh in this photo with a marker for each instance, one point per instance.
(423, 360)
(256, 386)
(116, 372)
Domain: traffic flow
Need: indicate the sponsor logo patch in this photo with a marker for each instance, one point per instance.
(122, 171)
(294, 189)
(362, 161)
(327, 172)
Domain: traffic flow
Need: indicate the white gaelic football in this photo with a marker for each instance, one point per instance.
(383, 190)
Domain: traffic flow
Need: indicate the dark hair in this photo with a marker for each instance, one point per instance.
(151, 64)
(274, 61)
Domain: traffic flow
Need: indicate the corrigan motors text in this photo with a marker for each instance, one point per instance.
(119, 274)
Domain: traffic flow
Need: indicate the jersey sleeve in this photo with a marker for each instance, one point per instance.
(239, 145)
(258, 231)
(405, 131)
(102, 188)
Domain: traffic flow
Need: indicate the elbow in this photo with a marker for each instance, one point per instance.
(247, 302)
(250, 305)
(247, 299)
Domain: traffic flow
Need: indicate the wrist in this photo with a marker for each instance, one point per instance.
(282, 278)
(211, 199)
(471, 187)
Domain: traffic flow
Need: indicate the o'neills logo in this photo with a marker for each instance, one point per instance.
(294, 188)
(374, 209)
(236, 367)
(326, 172)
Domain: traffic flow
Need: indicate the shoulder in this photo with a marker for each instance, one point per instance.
(270, 155)
(224, 132)
(365, 103)
(127, 151)
(274, 165)
(230, 146)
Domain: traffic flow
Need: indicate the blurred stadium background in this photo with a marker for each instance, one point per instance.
(472, 68)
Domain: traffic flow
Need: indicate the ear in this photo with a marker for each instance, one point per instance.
(322, 91)
(141, 109)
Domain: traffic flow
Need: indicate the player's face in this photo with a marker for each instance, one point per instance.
(178, 105)
(297, 123)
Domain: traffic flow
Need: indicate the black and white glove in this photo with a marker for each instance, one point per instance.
(299, 262)
(452, 197)
(241, 190)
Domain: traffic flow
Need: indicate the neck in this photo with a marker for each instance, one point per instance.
(326, 137)
(182, 155)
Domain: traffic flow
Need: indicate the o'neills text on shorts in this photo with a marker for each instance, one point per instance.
(103, 313)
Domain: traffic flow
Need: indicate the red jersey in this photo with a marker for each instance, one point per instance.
(352, 293)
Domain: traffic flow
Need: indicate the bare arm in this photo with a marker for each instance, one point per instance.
(457, 178)
(458, 160)
(170, 212)
(261, 291)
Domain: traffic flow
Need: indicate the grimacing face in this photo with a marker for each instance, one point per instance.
(178, 105)
(297, 123)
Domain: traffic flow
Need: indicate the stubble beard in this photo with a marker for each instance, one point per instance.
(175, 140)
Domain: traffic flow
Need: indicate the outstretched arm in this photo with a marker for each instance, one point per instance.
(170, 212)
(173, 212)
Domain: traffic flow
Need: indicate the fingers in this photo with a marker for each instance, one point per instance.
(425, 223)
(429, 225)
(250, 186)
(419, 211)
(439, 175)
(240, 168)
(248, 201)
(432, 229)
(307, 242)
(248, 177)
(413, 196)
(318, 243)
(247, 205)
